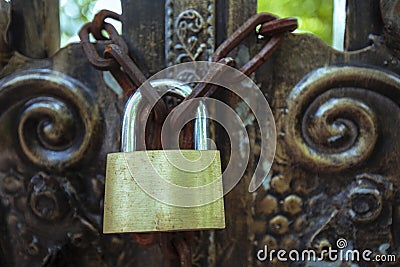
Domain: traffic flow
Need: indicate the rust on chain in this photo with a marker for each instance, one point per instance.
(106, 64)
(99, 22)
(90, 51)
(271, 26)
(126, 84)
(146, 239)
(274, 28)
(204, 89)
(121, 56)
(95, 28)
(115, 57)
(116, 60)
(278, 26)
(241, 33)
(134, 73)
(207, 87)
(115, 37)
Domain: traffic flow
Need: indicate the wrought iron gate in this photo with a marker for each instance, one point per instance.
(335, 175)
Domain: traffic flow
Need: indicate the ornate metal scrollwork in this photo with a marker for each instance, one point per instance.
(333, 179)
(60, 110)
(188, 24)
(189, 35)
(365, 207)
(48, 224)
(329, 129)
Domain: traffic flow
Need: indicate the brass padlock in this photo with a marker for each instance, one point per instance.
(186, 198)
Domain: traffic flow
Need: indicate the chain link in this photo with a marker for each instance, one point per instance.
(99, 22)
(271, 27)
(116, 60)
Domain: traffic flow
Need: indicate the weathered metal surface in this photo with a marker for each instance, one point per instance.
(189, 31)
(363, 21)
(58, 122)
(5, 20)
(35, 27)
(335, 173)
(270, 27)
(145, 33)
(390, 11)
(334, 131)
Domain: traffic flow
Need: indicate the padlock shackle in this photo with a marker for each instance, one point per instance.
(134, 107)
(201, 128)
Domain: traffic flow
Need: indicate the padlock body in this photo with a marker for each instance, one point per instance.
(172, 198)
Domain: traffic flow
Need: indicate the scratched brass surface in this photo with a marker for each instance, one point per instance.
(126, 200)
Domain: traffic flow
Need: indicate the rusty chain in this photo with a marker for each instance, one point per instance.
(271, 27)
(116, 59)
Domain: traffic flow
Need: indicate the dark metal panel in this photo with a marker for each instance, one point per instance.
(363, 20)
(143, 29)
(35, 27)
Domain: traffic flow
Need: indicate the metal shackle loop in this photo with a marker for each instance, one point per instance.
(133, 107)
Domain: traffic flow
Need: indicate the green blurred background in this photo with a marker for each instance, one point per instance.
(315, 16)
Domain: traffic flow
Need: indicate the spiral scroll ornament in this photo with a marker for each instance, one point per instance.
(329, 129)
(56, 116)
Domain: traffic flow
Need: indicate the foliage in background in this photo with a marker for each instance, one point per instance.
(73, 14)
(314, 16)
